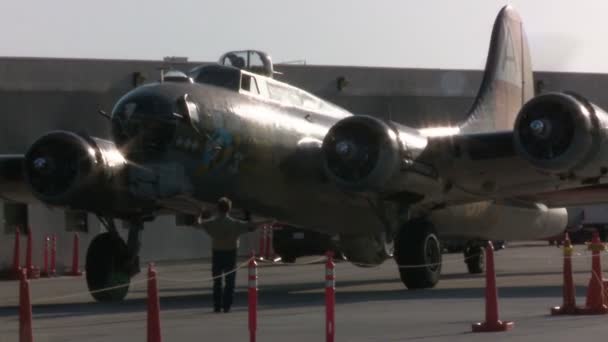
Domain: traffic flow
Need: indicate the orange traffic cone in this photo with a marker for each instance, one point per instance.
(492, 322)
(153, 307)
(569, 305)
(25, 309)
(596, 299)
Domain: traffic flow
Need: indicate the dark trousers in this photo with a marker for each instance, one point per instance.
(223, 262)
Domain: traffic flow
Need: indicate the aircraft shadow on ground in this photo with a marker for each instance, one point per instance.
(284, 296)
(500, 274)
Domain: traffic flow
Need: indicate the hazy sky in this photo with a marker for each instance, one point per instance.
(564, 35)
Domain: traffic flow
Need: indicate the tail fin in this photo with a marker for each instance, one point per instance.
(507, 82)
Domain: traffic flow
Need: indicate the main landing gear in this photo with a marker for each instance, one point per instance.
(111, 262)
(418, 254)
(474, 257)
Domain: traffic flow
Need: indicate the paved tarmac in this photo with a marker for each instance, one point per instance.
(372, 304)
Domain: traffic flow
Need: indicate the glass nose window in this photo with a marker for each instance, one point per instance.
(144, 122)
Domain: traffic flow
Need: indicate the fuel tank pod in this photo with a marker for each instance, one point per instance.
(499, 221)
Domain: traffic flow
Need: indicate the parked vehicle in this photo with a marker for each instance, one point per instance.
(290, 243)
(582, 223)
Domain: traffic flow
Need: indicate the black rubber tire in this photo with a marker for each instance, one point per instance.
(288, 259)
(417, 244)
(475, 259)
(105, 268)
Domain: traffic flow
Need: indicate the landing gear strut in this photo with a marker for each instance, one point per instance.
(474, 257)
(111, 262)
(418, 254)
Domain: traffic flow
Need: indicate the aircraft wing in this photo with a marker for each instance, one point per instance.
(408, 167)
(592, 194)
(491, 166)
(482, 166)
(512, 145)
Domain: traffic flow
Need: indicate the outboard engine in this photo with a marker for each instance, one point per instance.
(564, 134)
(77, 171)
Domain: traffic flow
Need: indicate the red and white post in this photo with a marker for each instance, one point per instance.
(33, 272)
(253, 298)
(16, 269)
(53, 270)
(75, 271)
(25, 309)
(330, 298)
(266, 252)
(153, 303)
(45, 264)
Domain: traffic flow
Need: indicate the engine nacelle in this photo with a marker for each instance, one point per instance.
(363, 153)
(67, 169)
(563, 133)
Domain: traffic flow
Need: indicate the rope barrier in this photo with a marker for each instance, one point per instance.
(580, 255)
(585, 254)
(135, 282)
(204, 280)
(87, 293)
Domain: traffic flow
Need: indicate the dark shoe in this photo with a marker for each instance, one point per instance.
(226, 310)
(217, 310)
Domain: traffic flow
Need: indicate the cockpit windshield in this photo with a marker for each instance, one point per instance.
(221, 76)
(254, 61)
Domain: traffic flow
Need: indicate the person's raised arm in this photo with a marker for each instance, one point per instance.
(203, 218)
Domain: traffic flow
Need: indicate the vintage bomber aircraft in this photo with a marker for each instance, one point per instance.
(278, 151)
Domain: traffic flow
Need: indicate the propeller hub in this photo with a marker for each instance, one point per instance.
(540, 128)
(346, 149)
(41, 164)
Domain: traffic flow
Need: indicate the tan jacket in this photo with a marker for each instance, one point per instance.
(224, 231)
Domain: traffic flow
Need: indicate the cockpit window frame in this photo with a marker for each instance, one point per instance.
(293, 96)
(252, 84)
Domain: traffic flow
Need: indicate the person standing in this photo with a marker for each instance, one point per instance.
(224, 231)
